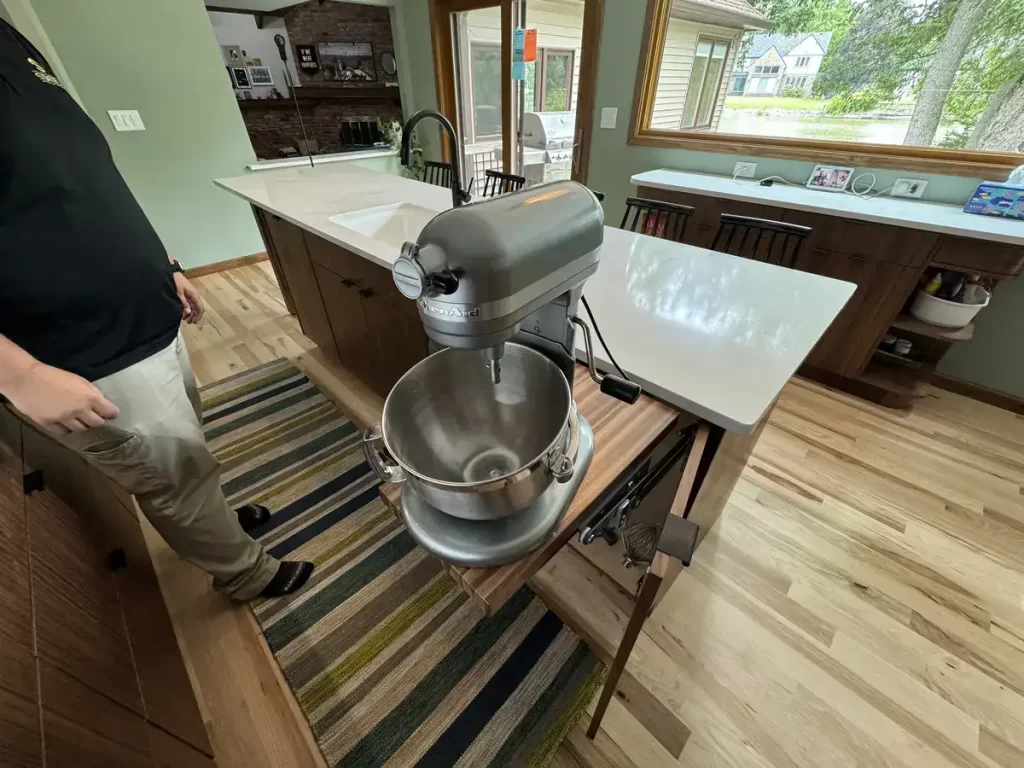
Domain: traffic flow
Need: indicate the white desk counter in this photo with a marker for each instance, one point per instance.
(945, 219)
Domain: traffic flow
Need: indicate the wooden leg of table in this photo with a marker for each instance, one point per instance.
(642, 607)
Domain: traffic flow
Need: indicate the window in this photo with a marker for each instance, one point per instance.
(549, 80)
(886, 93)
(705, 82)
(485, 73)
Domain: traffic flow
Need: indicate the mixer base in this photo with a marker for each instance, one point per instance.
(480, 543)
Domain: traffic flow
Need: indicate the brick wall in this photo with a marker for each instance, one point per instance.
(271, 129)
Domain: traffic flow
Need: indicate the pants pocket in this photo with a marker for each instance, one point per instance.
(122, 458)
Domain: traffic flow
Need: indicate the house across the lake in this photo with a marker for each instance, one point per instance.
(701, 45)
(776, 62)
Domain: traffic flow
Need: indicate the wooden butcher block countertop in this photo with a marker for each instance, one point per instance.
(621, 434)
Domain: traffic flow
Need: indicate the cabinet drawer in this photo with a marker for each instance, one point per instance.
(852, 237)
(69, 745)
(372, 280)
(979, 256)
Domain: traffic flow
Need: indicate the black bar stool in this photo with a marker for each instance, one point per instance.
(498, 183)
(774, 242)
(655, 218)
(439, 174)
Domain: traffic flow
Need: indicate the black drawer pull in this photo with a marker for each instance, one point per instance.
(367, 292)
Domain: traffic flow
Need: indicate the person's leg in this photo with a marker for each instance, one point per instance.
(155, 449)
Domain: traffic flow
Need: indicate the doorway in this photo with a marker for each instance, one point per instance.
(537, 124)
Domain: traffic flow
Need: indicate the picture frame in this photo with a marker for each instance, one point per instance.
(347, 62)
(232, 55)
(240, 77)
(260, 76)
(830, 178)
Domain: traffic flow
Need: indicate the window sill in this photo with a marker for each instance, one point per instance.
(984, 165)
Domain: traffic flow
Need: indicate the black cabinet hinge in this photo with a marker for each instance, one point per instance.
(117, 559)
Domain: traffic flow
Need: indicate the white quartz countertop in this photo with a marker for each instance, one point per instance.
(309, 197)
(709, 333)
(335, 157)
(932, 217)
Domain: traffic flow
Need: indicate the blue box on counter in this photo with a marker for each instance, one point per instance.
(996, 198)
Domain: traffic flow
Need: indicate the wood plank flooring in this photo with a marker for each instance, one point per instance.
(858, 604)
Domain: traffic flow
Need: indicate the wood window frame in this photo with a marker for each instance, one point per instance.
(955, 162)
(540, 86)
(714, 40)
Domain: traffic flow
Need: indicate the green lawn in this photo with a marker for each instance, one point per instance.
(773, 102)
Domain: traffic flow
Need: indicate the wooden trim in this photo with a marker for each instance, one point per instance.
(924, 159)
(593, 21)
(714, 40)
(542, 71)
(221, 266)
(994, 397)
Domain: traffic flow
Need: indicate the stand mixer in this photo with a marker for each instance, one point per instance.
(509, 270)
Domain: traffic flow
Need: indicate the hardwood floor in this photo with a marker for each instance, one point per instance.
(859, 602)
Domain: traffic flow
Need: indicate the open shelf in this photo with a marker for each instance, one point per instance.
(910, 324)
(892, 357)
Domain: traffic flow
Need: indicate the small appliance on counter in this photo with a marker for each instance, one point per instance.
(485, 433)
(552, 132)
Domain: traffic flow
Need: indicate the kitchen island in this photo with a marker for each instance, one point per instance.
(711, 338)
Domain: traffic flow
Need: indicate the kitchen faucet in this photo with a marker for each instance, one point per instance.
(459, 195)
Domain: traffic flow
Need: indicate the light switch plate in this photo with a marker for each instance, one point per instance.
(126, 120)
(744, 170)
(908, 188)
(609, 116)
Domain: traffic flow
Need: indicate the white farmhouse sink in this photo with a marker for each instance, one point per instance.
(392, 224)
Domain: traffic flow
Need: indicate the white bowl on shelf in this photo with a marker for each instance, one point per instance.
(946, 314)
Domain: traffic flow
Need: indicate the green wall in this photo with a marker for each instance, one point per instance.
(161, 58)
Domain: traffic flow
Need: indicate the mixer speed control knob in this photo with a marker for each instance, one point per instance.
(408, 274)
(412, 278)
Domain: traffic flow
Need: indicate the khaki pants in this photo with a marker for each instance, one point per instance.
(155, 450)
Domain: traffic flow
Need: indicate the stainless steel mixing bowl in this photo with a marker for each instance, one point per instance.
(471, 448)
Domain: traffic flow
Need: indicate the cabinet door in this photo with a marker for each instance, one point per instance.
(69, 745)
(275, 258)
(76, 607)
(20, 742)
(854, 237)
(348, 326)
(400, 341)
(70, 706)
(290, 247)
(16, 666)
(882, 288)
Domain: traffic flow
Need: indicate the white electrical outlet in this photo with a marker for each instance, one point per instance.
(126, 120)
(609, 116)
(744, 170)
(908, 188)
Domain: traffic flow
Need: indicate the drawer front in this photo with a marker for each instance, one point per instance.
(852, 237)
(979, 256)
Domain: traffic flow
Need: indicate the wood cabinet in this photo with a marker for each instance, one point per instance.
(349, 306)
(289, 245)
(81, 612)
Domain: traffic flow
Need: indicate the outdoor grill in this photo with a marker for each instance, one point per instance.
(553, 133)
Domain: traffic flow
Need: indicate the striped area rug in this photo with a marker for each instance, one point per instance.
(390, 661)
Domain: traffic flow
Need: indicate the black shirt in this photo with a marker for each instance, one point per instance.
(85, 283)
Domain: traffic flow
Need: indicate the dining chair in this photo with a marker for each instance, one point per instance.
(656, 218)
(439, 174)
(774, 242)
(498, 183)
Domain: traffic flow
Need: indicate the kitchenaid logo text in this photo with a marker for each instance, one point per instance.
(450, 312)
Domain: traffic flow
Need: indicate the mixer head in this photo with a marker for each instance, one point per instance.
(477, 271)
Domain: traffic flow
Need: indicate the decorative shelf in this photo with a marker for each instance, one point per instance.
(913, 325)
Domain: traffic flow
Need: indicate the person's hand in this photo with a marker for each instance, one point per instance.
(59, 401)
(191, 302)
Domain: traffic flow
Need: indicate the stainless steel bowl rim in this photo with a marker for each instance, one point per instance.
(563, 437)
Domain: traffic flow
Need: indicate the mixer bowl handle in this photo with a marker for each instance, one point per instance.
(562, 462)
(378, 456)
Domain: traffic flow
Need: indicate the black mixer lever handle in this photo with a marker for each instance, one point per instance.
(620, 389)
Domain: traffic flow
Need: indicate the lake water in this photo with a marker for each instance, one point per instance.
(748, 122)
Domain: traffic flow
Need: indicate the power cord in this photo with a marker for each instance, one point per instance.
(863, 194)
(597, 330)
